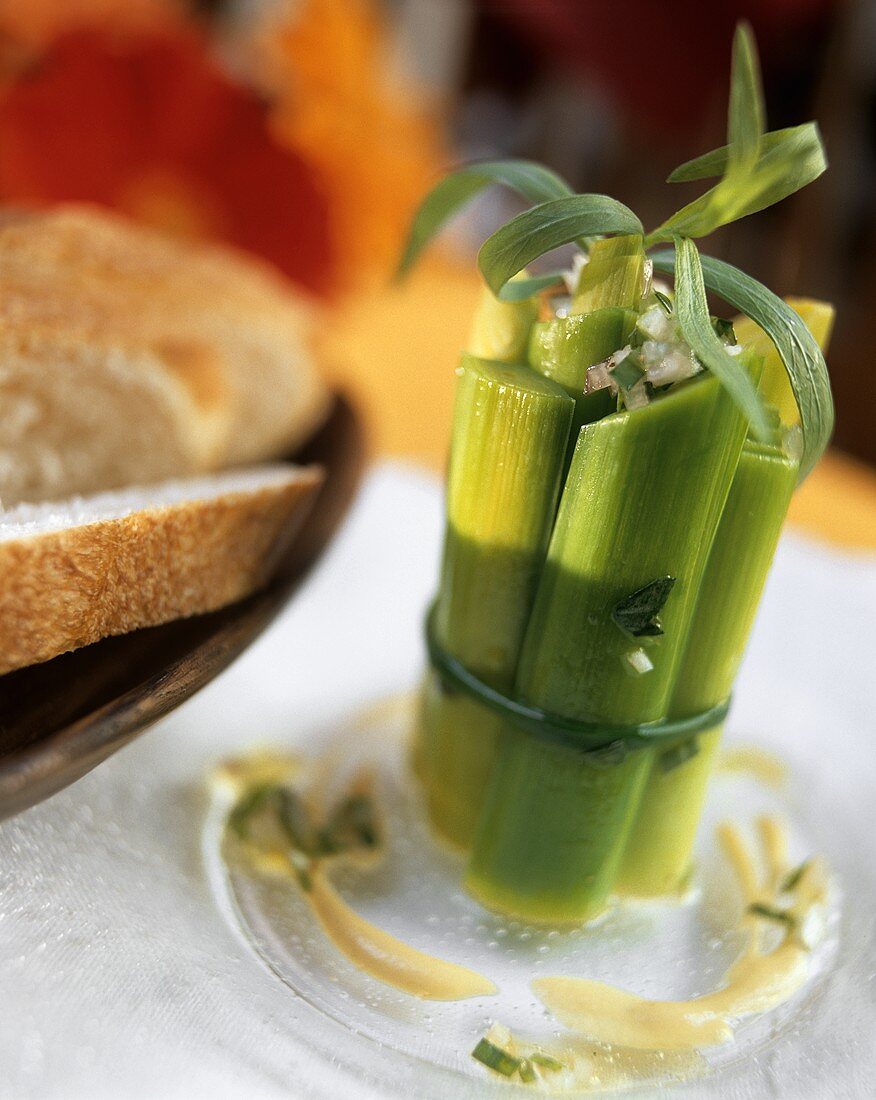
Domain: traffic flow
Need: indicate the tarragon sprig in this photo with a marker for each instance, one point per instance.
(531, 181)
(756, 169)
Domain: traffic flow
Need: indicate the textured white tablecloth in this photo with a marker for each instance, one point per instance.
(118, 975)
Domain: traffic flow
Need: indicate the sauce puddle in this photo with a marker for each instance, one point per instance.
(761, 979)
(614, 1038)
(268, 845)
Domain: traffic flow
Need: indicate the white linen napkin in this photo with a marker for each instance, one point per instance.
(120, 977)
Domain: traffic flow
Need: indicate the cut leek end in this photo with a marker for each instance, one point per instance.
(659, 849)
(613, 276)
(550, 911)
(564, 348)
(504, 409)
(500, 330)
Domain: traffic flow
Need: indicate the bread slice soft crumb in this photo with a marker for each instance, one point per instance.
(83, 569)
(122, 347)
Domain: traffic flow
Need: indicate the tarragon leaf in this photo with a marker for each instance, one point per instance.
(792, 881)
(780, 916)
(713, 164)
(248, 805)
(518, 289)
(745, 114)
(532, 181)
(548, 226)
(694, 322)
(785, 167)
(352, 825)
(797, 347)
(637, 613)
(296, 823)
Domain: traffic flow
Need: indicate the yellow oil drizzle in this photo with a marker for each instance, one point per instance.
(774, 845)
(366, 945)
(386, 958)
(616, 1037)
(738, 855)
(258, 767)
(601, 1069)
(757, 982)
(614, 1016)
(761, 764)
(584, 1066)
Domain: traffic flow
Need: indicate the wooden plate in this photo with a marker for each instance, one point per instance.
(60, 719)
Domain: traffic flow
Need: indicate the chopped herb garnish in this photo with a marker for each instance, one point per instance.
(353, 824)
(295, 820)
(526, 1072)
(637, 661)
(302, 866)
(664, 300)
(794, 877)
(724, 330)
(626, 374)
(637, 613)
(546, 1061)
(679, 754)
(248, 804)
(292, 817)
(500, 1061)
(781, 916)
(496, 1059)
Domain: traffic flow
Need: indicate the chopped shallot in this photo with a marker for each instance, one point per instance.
(636, 397)
(599, 377)
(571, 278)
(638, 661)
(656, 324)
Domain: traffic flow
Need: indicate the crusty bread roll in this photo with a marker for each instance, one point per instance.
(171, 358)
(86, 568)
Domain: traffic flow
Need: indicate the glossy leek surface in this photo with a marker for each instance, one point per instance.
(555, 824)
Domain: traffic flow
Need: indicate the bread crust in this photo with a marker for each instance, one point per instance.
(60, 590)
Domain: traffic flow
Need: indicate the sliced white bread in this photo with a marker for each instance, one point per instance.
(82, 415)
(219, 336)
(80, 570)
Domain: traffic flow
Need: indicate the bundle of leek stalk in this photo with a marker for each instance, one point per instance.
(621, 465)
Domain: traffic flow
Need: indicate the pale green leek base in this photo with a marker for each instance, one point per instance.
(510, 433)
(659, 847)
(553, 830)
(555, 821)
(658, 852)
(454, 755)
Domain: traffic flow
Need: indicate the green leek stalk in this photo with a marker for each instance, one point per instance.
(658, 854)
(601, 321)
(614, 275)
(564, 349)
(500, 330)
(642, 500)
(510, 432)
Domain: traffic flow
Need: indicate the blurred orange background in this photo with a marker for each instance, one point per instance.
(307, 130)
